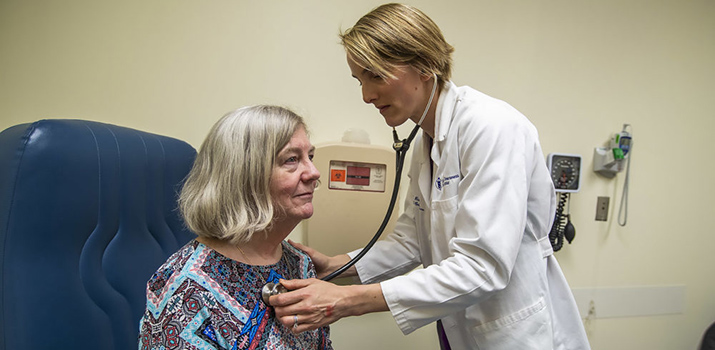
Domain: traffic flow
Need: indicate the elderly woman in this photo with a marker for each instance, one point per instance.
(251, 184)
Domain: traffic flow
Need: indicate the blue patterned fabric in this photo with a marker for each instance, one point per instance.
(200, 299)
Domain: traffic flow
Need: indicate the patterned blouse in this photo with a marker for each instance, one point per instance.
(200, 299)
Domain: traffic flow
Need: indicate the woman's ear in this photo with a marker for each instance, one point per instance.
(425, 76)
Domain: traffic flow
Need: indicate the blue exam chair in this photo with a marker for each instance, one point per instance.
(87, 214)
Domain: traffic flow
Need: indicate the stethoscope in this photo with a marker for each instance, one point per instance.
(400, 147)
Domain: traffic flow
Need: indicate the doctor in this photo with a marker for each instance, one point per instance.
(477, 216)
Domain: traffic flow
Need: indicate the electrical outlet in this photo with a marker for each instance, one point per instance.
(602, 208)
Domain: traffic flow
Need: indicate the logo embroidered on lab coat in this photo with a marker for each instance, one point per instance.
(440, 182)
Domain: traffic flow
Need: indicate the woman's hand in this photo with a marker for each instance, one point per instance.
(313, 303)
(324, 264)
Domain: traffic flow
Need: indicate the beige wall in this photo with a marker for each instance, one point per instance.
(577, 69)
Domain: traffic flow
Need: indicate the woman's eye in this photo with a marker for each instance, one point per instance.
(292, 159)
(311, 157)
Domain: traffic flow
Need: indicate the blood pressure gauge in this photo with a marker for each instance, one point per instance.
(565, 170)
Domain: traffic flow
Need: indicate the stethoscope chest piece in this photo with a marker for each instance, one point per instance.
(271, 289)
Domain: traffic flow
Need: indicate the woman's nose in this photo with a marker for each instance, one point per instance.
(368, 95)
(311, 173)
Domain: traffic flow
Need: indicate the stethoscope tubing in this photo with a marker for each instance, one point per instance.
(401, 148)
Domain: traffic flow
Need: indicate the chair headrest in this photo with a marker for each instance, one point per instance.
(88, 211)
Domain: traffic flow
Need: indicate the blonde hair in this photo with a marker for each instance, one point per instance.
(395, 35)
(227, 192)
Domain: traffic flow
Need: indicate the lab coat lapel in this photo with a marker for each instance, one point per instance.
(445, 111)
(422, 152)
(443, 120)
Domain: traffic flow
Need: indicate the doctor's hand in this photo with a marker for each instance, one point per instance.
(310, 304)
(324, 264)
(313, 303)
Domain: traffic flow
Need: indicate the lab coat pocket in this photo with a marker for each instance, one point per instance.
(444, 213)
(528, 328)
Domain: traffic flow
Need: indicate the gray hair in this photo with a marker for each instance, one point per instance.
(227, 192)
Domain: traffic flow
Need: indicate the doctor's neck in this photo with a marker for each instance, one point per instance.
(428, 124)
(427, 119)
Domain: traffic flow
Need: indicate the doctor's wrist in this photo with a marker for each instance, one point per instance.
(363, 299)
(338, 261)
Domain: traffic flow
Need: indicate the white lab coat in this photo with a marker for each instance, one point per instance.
(480, 230)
